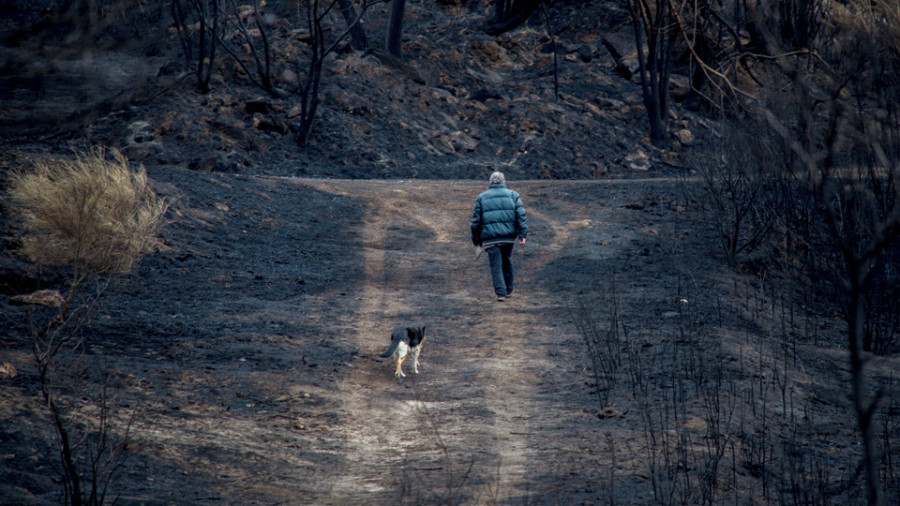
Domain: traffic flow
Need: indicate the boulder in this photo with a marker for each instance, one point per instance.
(463, 142)
(290, 78)
(685, 137)
(141, 142)
(638, 161)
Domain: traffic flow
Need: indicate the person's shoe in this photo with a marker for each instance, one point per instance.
(500, 298)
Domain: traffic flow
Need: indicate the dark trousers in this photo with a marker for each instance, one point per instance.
(500, 256)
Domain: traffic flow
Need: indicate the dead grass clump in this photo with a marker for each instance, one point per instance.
(92, 213)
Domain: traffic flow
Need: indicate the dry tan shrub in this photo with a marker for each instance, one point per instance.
(93, 214)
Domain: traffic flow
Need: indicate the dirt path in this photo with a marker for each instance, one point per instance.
(501, 404)
(250, 347)
(481, 369)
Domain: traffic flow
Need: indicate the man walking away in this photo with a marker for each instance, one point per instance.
(497, 222)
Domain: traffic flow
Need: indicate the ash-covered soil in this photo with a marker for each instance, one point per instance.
(458, 102)
(244, 356)
(246, 352)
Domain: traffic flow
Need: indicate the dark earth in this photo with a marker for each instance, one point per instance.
(244, 354)
(247, 350)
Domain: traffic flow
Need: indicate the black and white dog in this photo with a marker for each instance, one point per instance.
(405, 341)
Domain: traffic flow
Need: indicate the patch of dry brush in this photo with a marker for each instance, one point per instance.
(92, 213)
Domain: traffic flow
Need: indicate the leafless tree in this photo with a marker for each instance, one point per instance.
(260, 49)
(95, 217)
(655, 33)
(206, 15)
(797, 22)
(846, 150)
(833, 108)
(546, 14)
(737, 194)
(358, 40)
(319, 49)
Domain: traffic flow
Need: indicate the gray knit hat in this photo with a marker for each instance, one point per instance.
(498, 177)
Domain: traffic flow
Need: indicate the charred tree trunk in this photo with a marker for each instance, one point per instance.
(263, 78)
(654, 26)
(207, 20)
(858, 280)
(309, 89)
(358, 39)
(394, 41)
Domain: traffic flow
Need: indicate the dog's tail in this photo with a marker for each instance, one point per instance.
(395, 341)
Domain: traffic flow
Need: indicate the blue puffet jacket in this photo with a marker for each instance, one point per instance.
(499, 216)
